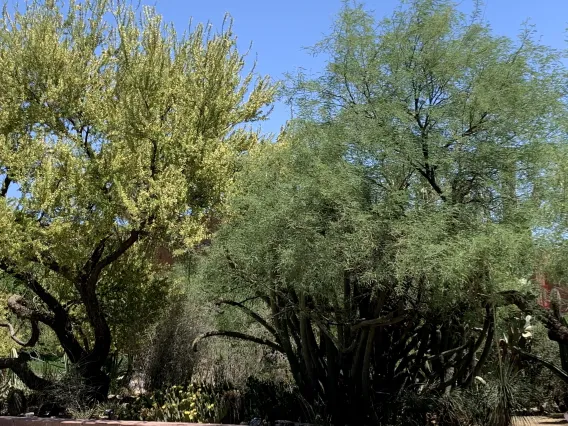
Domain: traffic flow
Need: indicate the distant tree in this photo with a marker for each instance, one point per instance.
(117, 136)
(374, 241)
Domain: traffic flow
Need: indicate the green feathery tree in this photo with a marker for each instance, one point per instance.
(375, 240)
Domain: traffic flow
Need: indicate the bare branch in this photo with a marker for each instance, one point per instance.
(560, 373)
(237, 335)
(33, 338)
(379, 322)
(20, 367)
(5, 186)
(250, 313)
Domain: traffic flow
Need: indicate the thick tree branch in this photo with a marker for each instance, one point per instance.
(95, 257)
(33, 338)
(379, 322)
(5, 186)
(250, 313)
(34, 286)
(560, 373)
(237, 335)
(21, 368)
(120, 250)
(46, 261)
(56, 267)
(20, 307)
(101, 329)
(429, 176)
(59, 321)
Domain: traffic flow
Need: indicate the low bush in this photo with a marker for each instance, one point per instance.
(191, 403)
(219, 403)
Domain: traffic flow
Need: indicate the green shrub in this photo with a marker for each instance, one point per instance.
(267, 399)
(191, 403)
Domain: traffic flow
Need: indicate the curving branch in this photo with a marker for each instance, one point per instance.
(30, 282)
(20, 307)
(378, 322)
(560, 373)
(250, 313)
(5, 186)
(237, 335)
(58, 319)
(21, 368)
(33, 338)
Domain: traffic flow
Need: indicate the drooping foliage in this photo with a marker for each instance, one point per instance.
(374, 241)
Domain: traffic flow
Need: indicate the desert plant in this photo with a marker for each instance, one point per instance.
(276, 400)
(503, 402)
(373, 241)
(16, 402)
(191, 403)
(168, 359)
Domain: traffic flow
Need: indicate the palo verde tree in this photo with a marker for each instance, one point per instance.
(373, 242)
(117, 136)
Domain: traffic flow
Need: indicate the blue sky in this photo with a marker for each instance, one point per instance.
(281, 29)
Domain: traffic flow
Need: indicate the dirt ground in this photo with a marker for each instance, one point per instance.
(535, 421)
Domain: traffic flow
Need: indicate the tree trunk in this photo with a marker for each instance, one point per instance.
(89, 363)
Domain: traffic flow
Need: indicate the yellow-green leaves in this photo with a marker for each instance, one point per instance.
(122, 118)
(112, 123)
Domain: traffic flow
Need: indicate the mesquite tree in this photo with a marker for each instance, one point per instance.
(373, 242)
(117, 136)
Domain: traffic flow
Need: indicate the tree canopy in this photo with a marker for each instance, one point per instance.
(117, 136)
(374, 240)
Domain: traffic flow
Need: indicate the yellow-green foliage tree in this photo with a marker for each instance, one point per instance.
(117, 135)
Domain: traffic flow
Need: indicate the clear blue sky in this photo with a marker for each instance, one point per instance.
(281, 29)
